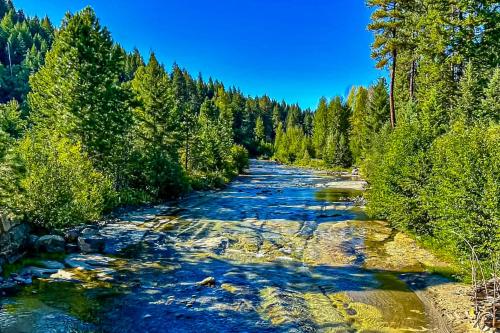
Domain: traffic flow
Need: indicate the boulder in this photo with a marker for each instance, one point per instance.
(32, 241)
(24, 279)
(89, 232)
(50, 244)
(91, 243)
(71, 235)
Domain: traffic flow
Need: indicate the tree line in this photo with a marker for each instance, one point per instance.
(87, 126)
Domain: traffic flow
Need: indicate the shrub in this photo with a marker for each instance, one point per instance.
(463, 194)
(239, 158)
(397, 169)
(60, 186)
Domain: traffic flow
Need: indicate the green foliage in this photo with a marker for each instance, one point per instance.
(436, 174)
(397, 169)
(60, 186)
(463, 192)
(12, 127)
(490, 105)
(239, 158)
(288, 146)
(155, 166)
(11, 122)
(24, 42)
(78, 92)
(320, 127)
(214, 140)
(469, 96)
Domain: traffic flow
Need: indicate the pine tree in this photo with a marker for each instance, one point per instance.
(183, 111)
(154, 132)
(133, 61)
(78, 92)
(469, 96)
(358, 103)
(388, 24)
(320, 128)
(276, 118)
(260, 134)
(378, 105)
(490, 105)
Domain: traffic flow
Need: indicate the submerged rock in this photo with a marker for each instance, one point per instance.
(207, 282)
(39, 272)
(51, 264)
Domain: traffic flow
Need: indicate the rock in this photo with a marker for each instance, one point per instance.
(32, 240)
(89, 232)
(91, 243)
(208, 282)
(63, 275)
(8, 287)
(72, 248)
(71, 235)
(51, 264)
(22, 279)
(39, 272)
(50, 244)
(88, 262)
(355, 172)
(77, 262)
(351, 312)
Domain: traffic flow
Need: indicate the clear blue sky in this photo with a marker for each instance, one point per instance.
(296, 50)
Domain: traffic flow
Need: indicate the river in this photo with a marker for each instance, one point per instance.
(287, 249)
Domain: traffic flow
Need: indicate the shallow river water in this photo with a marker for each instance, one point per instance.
(288, 249)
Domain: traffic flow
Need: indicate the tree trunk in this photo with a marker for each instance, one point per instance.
(391, 95)
(412, 80)
(186, 159)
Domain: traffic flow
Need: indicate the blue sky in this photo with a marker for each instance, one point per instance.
(296, 50)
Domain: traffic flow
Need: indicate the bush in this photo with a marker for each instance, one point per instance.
(239, 158)
(264, 149)
(207, 181)
(397, 168)
(60, 186)
(463, 194)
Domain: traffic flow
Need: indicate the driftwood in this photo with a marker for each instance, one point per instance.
(486, 297)
(485, 292)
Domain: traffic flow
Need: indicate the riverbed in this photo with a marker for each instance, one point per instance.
(281, 249)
